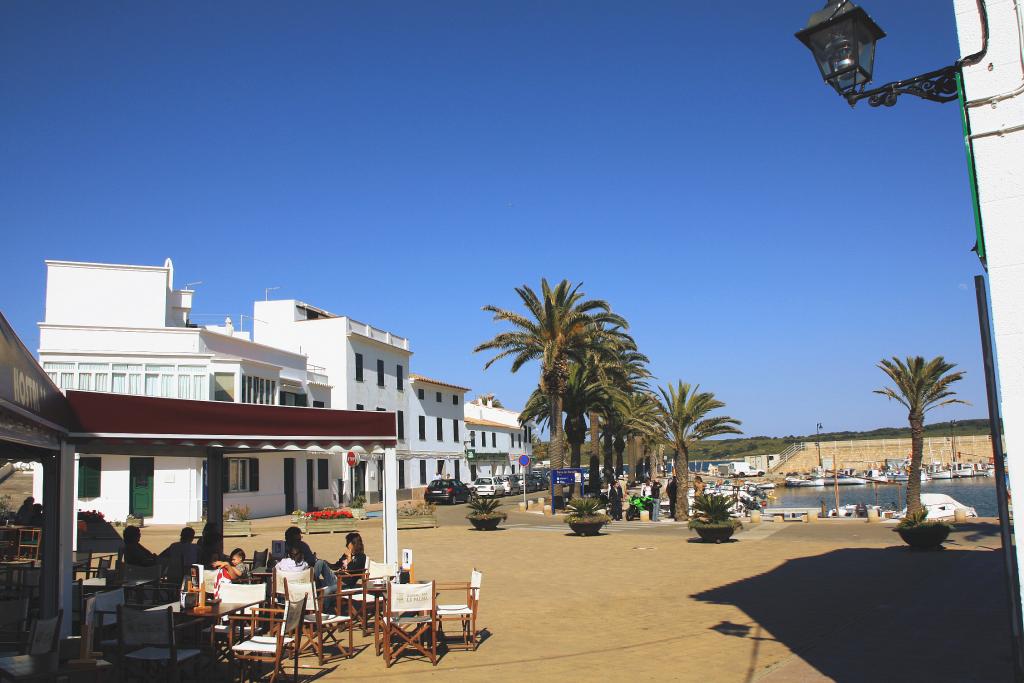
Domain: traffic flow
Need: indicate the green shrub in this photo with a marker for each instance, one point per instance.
(919, 519)
(713, 511)
(359, 502)
(586, 511)
(485, 508)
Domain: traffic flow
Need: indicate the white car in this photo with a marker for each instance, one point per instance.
(510, 486)
(487, 487)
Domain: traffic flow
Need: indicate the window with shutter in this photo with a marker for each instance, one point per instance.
(254, 474)
(321, 473)
(89, 470)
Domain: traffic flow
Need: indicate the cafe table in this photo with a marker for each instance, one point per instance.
(49, 667)
(214, 613)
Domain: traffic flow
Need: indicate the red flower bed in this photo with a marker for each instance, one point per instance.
(329, 514)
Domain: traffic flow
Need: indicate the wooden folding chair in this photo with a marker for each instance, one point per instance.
(409, 621)
(317, 625)
(45, 635)
(279, 576)
(273, 631)
(13, 626)
(240, 593)
(462, 613)
(146, 643)
(29, 540)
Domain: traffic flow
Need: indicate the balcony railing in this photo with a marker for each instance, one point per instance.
(356, 327)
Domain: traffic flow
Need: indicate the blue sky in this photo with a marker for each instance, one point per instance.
(407, 163)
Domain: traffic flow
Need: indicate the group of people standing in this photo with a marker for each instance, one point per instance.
(648, 488)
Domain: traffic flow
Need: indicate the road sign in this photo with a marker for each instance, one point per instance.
(352, 458)
(524, 460)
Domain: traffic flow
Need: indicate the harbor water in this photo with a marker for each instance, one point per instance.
(976, 492)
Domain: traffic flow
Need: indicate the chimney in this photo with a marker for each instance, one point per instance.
(229, 328)
(490, 401)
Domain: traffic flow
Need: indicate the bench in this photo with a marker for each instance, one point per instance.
(230, 528)
(791, 513)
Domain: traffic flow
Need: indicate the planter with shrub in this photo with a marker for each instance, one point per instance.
(713, 519)
(484, 514)
(586, 516)
(919, 532)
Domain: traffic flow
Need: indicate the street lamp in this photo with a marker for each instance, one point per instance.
(842, 38)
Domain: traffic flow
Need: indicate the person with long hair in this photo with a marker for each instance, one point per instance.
(353, 561)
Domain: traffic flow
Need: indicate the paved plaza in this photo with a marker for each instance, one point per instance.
(840, 600)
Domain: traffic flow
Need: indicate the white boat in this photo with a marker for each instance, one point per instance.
(939, 473)
(766, 486)
(851, 510)
(801, 482)
(851, 481)
(941, 506)
(962, 469)
(877, 476)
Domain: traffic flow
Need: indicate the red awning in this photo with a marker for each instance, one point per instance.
(120, 417)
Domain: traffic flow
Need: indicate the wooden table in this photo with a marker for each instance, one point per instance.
(101, 582)
(214, 611)
(49, 667)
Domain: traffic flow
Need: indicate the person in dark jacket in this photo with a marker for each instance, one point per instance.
(135, 553)
(353, 561)
(615, 500)
(24, 514)
(671, 490)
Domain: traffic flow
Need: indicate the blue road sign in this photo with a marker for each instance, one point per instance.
(524, 460)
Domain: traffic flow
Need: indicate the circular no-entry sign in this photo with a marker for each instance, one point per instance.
(352, 458)
(524, 460)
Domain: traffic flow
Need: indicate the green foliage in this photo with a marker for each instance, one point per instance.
(712, 511)
(237, 512)
(485, 508)
(420, 509)
(586, 510)
(918, 519)
(358, 502)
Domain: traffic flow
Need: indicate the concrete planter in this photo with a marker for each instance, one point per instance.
(715, 534)
(487, 524)
(924, 537)
(325, 526)
(586, 528)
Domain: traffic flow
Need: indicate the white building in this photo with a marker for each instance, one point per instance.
(994, 89)
(496, 439)
(436, 447)
(126, 329)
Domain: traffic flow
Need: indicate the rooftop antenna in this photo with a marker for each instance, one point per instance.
(189, 285)
(267, 291)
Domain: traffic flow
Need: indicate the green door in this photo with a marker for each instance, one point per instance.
(140, 481)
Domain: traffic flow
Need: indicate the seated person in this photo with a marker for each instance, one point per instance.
(24, 514)
(36, 519)
(180, 555)
(293, 560)
(352, 561)
(134, 552)
(322, 573)
(231, 570)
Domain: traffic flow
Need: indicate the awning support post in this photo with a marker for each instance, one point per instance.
(57, 552)
(390, 500)
(214, 485)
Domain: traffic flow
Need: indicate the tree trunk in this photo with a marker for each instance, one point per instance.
(595, 435)
(682, 483)
(555, 430)
(620, 446)
(595, 475)
(916, 456)
(606, 448)
(575, 448)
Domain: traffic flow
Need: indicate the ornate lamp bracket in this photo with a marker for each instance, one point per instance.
(937, 86)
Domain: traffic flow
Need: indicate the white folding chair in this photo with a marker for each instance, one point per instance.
(409, 621)
(463, 613)
(318, 625)
(235, 593)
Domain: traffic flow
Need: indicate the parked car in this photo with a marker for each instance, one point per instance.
(511, 486)
(448, 491)
(487, 487)
(535, 482)
(518, 483)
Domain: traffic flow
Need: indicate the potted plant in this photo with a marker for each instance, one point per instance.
(586, 516)
(919, 532)
(484, 514)
(297, 516)
(713, 519)
(357, 507)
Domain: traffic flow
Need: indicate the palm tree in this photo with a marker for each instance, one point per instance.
(635, 417)
(920, 386)
(583, 393)
(684, 414)
(559, 328)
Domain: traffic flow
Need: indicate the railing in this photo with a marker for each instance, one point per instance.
(316, 373)
(785, 455)
(377, 334)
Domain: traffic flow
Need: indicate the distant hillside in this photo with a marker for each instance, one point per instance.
(723, 449)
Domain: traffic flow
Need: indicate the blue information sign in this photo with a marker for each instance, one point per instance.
(566, 476)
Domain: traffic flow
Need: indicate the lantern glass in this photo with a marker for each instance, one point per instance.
(842, 38)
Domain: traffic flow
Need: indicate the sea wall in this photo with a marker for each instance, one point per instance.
(867, 453)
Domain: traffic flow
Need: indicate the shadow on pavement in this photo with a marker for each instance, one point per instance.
(870, 614)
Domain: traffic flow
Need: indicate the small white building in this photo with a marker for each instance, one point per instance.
(126, 329)
(437, 440)
(496, 438)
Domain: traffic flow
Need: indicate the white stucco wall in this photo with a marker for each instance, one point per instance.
(999, 161)
(102, 294)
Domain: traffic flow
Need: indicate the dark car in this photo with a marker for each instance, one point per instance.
(449, 491)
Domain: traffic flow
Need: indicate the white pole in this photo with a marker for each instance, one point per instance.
(390, 500)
